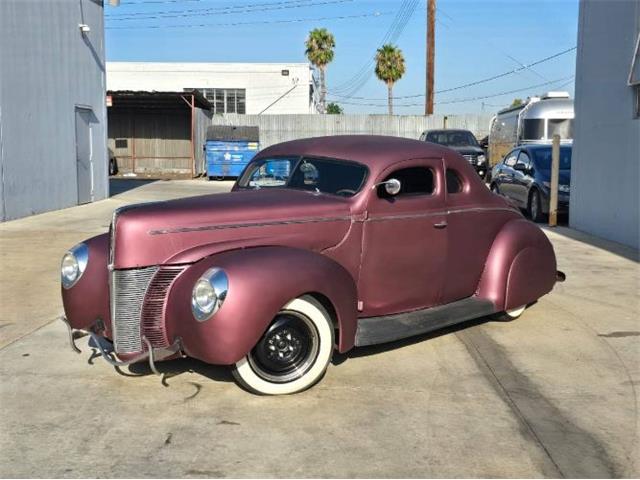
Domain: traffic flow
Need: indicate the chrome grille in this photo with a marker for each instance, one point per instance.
(129, 288)
(472, 159)
(152, 315)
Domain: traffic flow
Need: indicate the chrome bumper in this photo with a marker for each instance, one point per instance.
(152, 355)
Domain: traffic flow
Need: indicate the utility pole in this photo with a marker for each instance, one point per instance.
(431, 45)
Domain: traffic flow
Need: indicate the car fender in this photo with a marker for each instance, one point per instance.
(94, 285)
(520, 267)
(261, 281)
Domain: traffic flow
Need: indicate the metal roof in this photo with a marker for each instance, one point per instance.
(154, 99)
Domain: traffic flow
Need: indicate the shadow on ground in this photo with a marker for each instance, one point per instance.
(122, 185)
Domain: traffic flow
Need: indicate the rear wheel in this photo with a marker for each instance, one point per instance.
(534, 206)
(293, 353)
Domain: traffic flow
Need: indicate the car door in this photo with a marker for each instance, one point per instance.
(506, 173)
(404, 241)
(521, 179)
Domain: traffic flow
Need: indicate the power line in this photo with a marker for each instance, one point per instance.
(459, 87)
(352, 86)
(260, 22)
(471, 99)
(226, 11)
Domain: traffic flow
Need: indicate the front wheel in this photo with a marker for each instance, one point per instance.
(293, 353)
(534, 207)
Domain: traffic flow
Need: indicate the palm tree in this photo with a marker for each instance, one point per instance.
(319, 51)
(389, 68)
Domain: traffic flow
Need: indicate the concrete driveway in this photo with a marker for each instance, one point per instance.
(551, 394)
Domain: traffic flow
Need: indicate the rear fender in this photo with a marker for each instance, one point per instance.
(520, 268)
(261, 281)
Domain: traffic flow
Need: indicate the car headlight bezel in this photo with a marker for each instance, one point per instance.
(209, 293)
(73, 265)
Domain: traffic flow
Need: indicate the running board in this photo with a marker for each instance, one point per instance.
(388, 328)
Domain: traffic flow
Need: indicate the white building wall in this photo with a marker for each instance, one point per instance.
(264, 82)
(605, 174)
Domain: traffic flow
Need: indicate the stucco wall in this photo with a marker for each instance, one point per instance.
(605, 174)
(280, 128)
(47, 68)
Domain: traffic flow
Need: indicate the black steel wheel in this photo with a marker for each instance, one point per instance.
(287, 350)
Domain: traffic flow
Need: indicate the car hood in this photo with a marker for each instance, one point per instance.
(185, 230)
(468, 150)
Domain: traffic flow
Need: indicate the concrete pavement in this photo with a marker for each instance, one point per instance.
(550, 394)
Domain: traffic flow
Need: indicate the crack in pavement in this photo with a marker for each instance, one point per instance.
(572, 451)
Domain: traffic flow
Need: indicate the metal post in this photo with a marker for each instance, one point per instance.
(193, 148)
(555, 174)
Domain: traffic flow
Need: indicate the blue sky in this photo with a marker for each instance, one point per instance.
(474, 40)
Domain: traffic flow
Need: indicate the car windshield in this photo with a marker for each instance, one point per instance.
(322, 175)
(542, 158)
(453, 139)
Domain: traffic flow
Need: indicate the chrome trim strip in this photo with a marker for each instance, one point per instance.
(246, 225)
(441, 212)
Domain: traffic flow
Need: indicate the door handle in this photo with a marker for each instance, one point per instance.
(440, 225)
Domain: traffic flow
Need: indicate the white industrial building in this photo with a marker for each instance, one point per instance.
(605, 170)
(251, 88)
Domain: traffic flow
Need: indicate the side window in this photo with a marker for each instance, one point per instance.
(454, 183)
(413, 181)
(523, 159)
(510, 159)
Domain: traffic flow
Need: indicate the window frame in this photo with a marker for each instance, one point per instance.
(400, 195)
(298, 159)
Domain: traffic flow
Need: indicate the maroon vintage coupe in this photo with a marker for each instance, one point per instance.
(324, 244)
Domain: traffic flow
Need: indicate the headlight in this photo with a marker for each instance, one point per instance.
(74, 263)
(209, 293)
(564, 188)
(481, 159)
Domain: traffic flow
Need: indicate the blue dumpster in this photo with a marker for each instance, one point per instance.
(229, 149)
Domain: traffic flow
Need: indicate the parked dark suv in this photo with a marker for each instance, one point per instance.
(524, 176)
(463, 142)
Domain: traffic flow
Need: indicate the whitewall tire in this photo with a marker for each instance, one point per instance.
(512, 314)
(293, 353)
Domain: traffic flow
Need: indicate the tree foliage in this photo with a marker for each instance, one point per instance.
(390, 68)
(334, 109)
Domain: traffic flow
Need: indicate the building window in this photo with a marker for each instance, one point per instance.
(225, 100)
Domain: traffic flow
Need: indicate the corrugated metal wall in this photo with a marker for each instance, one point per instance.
(280, 128)
(157, 141)
(151, 141)
(48, 68)
(202, 121)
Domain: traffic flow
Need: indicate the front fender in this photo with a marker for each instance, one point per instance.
(520, 268)
(261, 281)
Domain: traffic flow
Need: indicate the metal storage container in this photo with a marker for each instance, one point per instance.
(229, 149)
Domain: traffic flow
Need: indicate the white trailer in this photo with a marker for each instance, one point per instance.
(535, 121)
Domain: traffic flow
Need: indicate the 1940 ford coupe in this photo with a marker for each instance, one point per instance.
(323, 244)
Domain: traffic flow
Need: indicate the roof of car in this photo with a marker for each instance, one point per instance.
(540, 146)
(376, 151)
(440, 130)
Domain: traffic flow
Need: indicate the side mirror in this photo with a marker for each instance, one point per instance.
(391, 187)
(520, 167)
